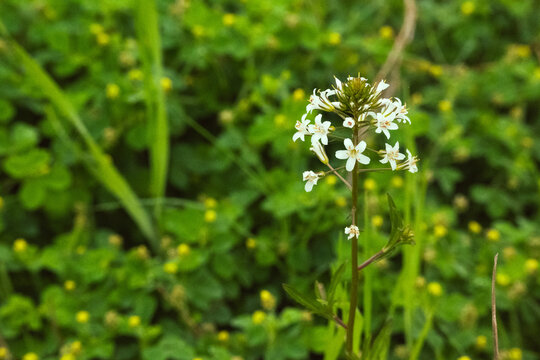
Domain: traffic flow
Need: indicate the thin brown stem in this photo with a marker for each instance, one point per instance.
(340, 322)
(494, 311)
(370, 260)
(339, 176)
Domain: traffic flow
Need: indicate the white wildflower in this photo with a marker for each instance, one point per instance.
(391, 155)
(302, 127)
(318, 149)
(353, 154)
(348, 122)
(385, 123)
(311, 179)
(352, 231)
(319, 130)
(410, 163)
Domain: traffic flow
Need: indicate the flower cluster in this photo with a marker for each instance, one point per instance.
(362, 108)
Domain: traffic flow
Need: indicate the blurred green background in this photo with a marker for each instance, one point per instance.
(151, 202)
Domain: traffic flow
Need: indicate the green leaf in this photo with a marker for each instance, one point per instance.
(170, 347)
(32, 163)
(336, 279)
(308, 302)
(32, 193)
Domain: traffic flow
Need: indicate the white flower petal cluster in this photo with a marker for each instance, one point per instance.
(352, 231)
(361, 107)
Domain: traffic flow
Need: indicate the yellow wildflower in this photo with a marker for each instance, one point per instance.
(112, 91)
(103, 39)
(341, 201)
(481, 342)
(435, 70)
(467, 8)
(70, 285)
(134, 321)
(183, 249)
(166, 84)
(445, 106)
(210, 203)
(135, 74)
(170, 268)
(435, 289)
(502, 279)
(3, 352)
(370, 184)
(397, 181)
(299, 95)
(268, 300)
(116, 240)
(258, 317)
(531, 266)
(464, 357)
(210, 216)
(515, 354)
(334, 38)
(475, 227)
(493, 235)
(440, 231)
(331, 179)
(30, 356)
(377, 221)
(20, 245)
(82, 317)
(251, 243)
(223, 336)
(386, 32)
(229, 19)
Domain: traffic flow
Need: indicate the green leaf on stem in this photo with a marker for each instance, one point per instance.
(308, 302)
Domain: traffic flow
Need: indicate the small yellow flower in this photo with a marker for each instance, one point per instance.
(115, 240)
(370, 184)
(464, 357)
(397, 182)
(70, 285)
(536, 73)
(445, 106)
(76, 347)
(210, 216)
(515, 354)
(435, 70)
(183, 249)
(341, 201)
(166, 84)
(229, 19)
(103, 39)
(251, 243)
(377, 221)
(170, 268)
(142, 252)
(467, 8)
(523, 51)
(30, 356)
(331, 179)
(1, 203)
(268, 300)
(198, 31)
(509, 252)
(258, 317)
(82, 316)
(502, 279)
(531, 266)
(197, 358)
(68, 356)
(81, 249)
(112, 91)
(420, 282)
(334, 38)
(135, 74)
(210, 203)
(475, 227)
(440, 231)
(280, 120)
(134, 321)
(481, 342)
(435, 289)
(3, 352)
(223, 336)
(299, 95)
(493, 235)
(386, 32)
(20, 245)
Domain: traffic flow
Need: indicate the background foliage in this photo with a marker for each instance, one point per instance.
(151, 196)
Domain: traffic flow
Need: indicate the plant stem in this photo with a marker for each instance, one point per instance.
(494, 311)
(368, 275)
(339, 176)
(370, 260)
(354, 256)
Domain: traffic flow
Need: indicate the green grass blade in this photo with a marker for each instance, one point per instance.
(146, 23)
(103, 168)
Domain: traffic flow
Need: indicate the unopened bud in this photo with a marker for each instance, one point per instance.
(318, 149)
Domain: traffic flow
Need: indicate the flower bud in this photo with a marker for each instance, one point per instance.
(318, 149)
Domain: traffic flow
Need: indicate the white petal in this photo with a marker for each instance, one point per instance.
(309, 186)
(363, 159)
(318, 119)
(342, 154)
(297, 136)
(388, 147)
(384, 160)
(350, 164)
(386, 133)
(393, 164)
(361, 146)
(348, 143)
(393, 126)
(324, 139)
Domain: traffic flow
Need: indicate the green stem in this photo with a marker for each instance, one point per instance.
(354, 257)
(420, 341)
(368, 274)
